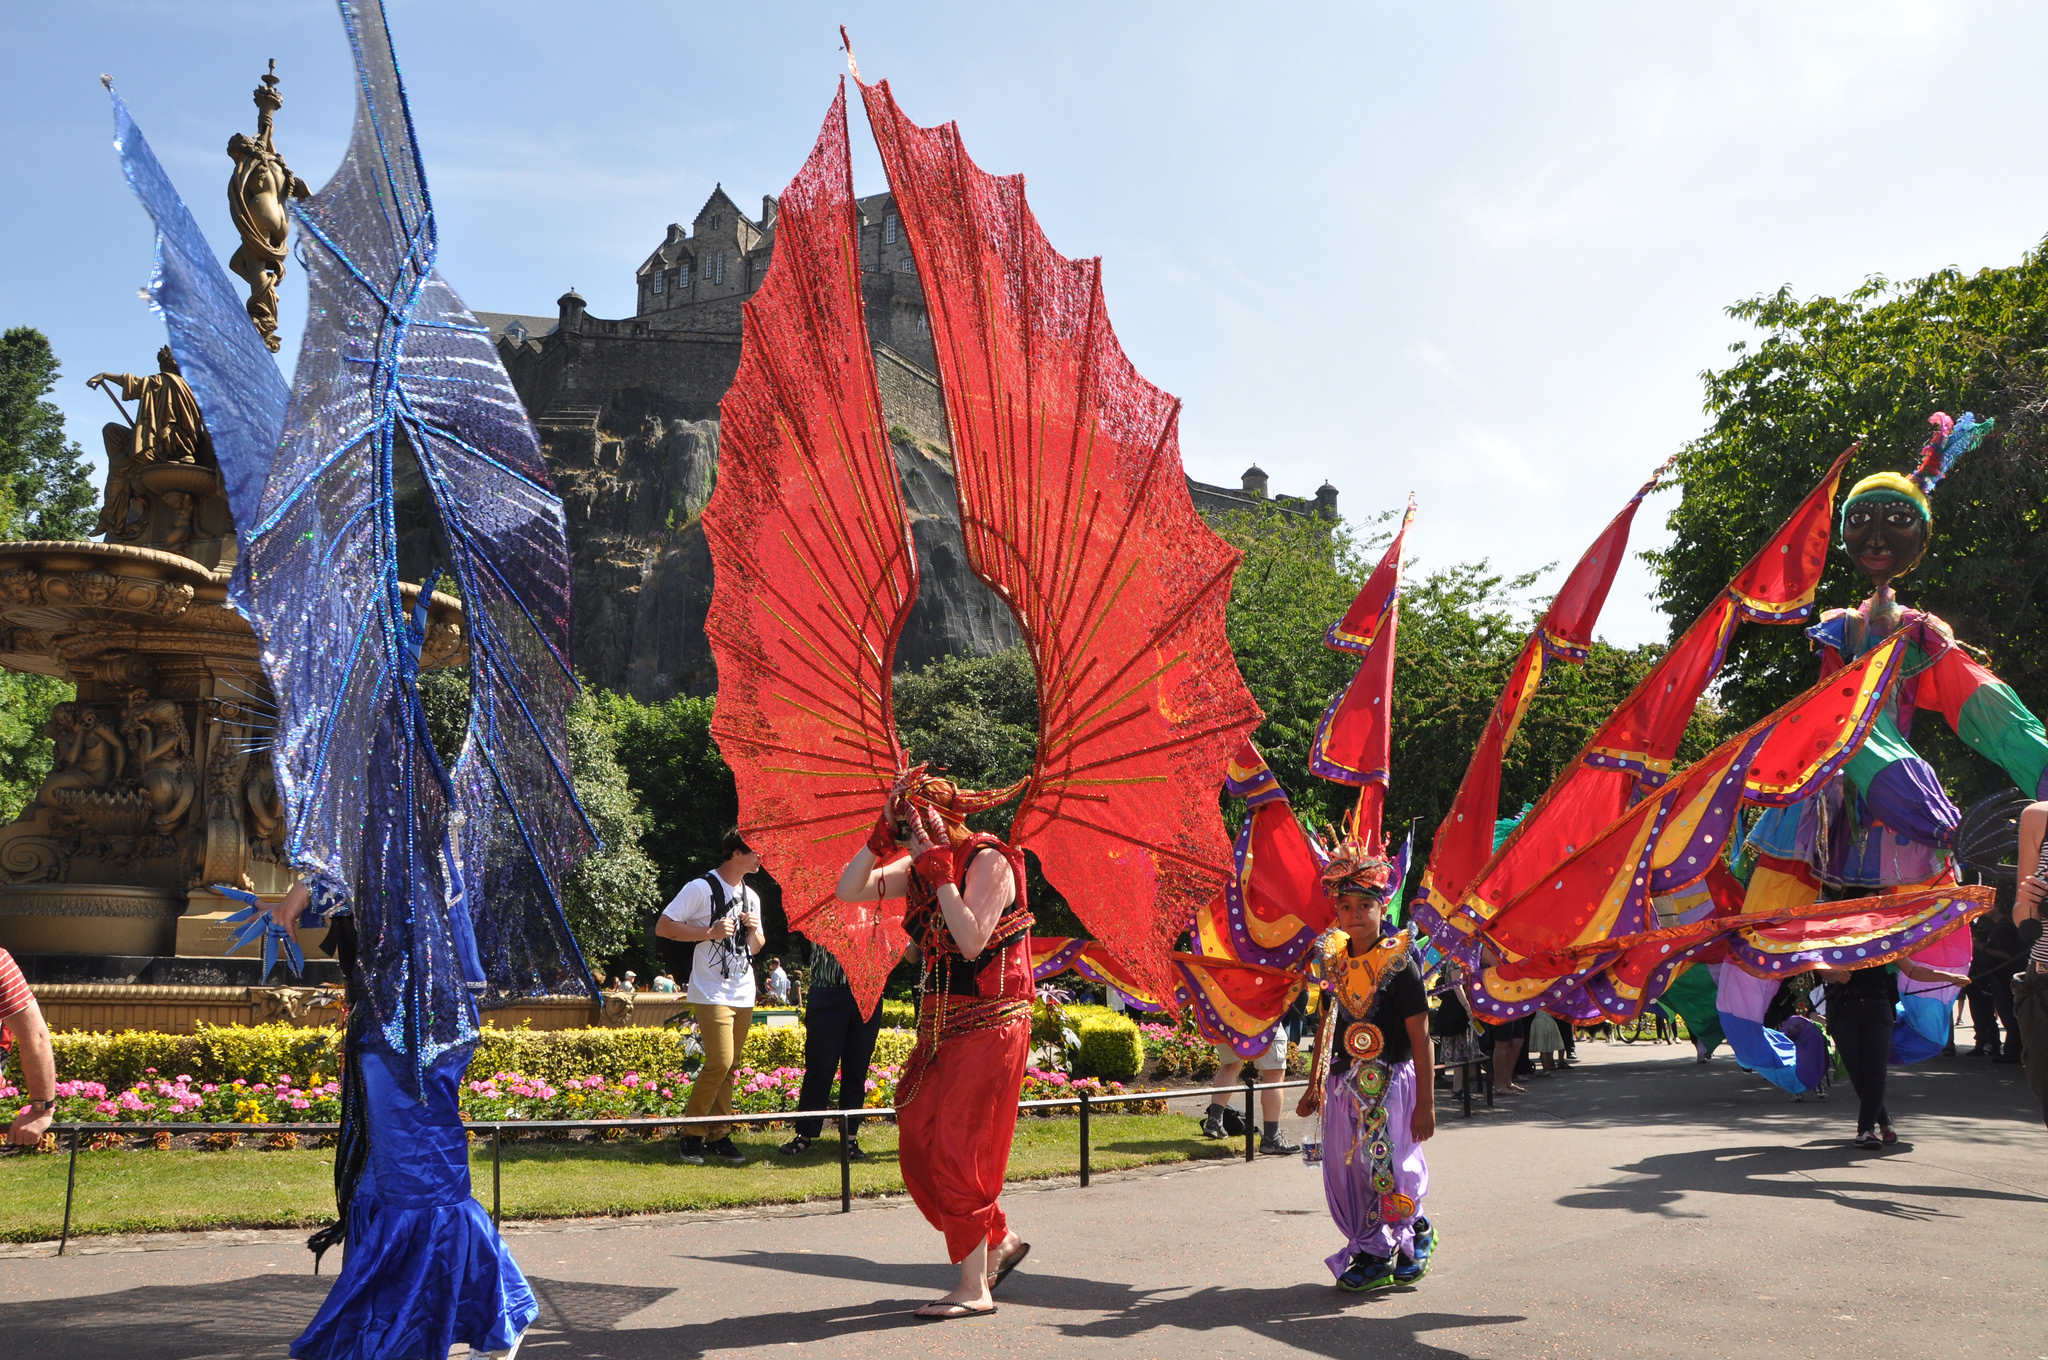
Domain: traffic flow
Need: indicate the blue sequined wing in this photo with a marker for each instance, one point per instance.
(394, 367)
(232, 375)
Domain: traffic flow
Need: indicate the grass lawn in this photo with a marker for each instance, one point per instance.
(148, 1191)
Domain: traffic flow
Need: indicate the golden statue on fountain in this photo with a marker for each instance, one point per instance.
(256, 201)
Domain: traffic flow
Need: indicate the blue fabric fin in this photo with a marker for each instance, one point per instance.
(236, 381)
(1919, 1028)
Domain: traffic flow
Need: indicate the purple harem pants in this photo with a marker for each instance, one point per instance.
(1355, 1203)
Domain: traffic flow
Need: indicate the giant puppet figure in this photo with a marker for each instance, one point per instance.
(1884, 825)
(1076, 513)
(442, 886)
(1622, 881)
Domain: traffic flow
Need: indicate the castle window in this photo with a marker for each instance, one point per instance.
(657, 280)
(683, 274)
(906, 266)
(719, 277)
(889, 229)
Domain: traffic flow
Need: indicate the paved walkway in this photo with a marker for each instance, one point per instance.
(1637, 1205)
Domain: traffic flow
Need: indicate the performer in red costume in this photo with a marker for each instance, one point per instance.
(970, 935)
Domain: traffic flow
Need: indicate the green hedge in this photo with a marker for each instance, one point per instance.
(227, 1053)
(1045, 1026)
(1111, 1047)
(217, 1053)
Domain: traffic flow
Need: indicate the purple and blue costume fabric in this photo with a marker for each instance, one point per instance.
(1354, 1132)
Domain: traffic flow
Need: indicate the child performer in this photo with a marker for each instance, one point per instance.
(1374, 1081)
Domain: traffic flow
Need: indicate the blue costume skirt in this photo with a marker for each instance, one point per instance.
(425, 1268)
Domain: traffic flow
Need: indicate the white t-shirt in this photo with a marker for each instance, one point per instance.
(723, 971)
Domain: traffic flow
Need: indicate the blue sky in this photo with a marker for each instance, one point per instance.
(1479, 251)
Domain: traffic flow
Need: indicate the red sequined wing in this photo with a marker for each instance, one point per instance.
(1076, 512)
(815, 570)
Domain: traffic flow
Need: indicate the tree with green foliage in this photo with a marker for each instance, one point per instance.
(684, 786)
(1825, 372)
(45, 491)
(1461, 628)
(975, 719)
(1297, 578)
(610, 894)
(26, 751)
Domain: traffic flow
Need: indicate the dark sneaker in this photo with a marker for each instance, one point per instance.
(1887, 1135)
(1868, 1139)
(1410, 1269)
(1233, 1123)
(1366, 1271)
(1277, 1146)
(854, 1151)
(691, 1149)
(724, 1151)
(1212, 1126)
(795, 1147)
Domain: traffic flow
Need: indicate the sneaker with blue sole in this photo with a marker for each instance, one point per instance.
(1366, 1271)
(1409, 1269)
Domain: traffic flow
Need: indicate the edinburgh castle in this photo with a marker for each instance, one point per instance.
(628, 414)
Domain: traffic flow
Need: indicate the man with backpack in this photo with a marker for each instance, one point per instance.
(720, 916)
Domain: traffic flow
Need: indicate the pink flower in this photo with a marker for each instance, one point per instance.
(107, 1107)
(298, 1104)
(209, 1088)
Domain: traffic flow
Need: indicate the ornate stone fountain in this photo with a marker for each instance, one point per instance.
(163, 782)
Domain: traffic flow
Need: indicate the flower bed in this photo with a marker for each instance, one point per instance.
(501, 1097)
(157, 1099)
(1178, 1051)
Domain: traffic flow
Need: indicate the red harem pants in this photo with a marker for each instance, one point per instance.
(955, 1135)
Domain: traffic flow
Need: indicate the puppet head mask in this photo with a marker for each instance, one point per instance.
(1887, 518)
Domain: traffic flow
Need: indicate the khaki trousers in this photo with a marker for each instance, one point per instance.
(722, 1030)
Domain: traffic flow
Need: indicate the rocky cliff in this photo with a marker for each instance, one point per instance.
(643, 570)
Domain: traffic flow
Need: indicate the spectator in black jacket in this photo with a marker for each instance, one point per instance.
(836, 1041)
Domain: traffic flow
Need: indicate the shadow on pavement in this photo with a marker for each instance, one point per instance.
(1655, 1185)
(261, 1315)
(1300, 1315)
(232, 1320)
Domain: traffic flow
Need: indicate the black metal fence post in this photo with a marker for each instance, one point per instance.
(1251, 1137)
(845, 1166)
(1084, 1139)
(70, 1183)
(496, 1183)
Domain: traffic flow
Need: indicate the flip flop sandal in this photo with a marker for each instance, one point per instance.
(1010, 1263)
(959, 1310)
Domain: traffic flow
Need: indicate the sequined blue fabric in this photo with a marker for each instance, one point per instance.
(218, 349)
(454, 876)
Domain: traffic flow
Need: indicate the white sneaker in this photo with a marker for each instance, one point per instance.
(509, 1352)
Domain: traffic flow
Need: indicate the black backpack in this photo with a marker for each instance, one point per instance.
(678, 957)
